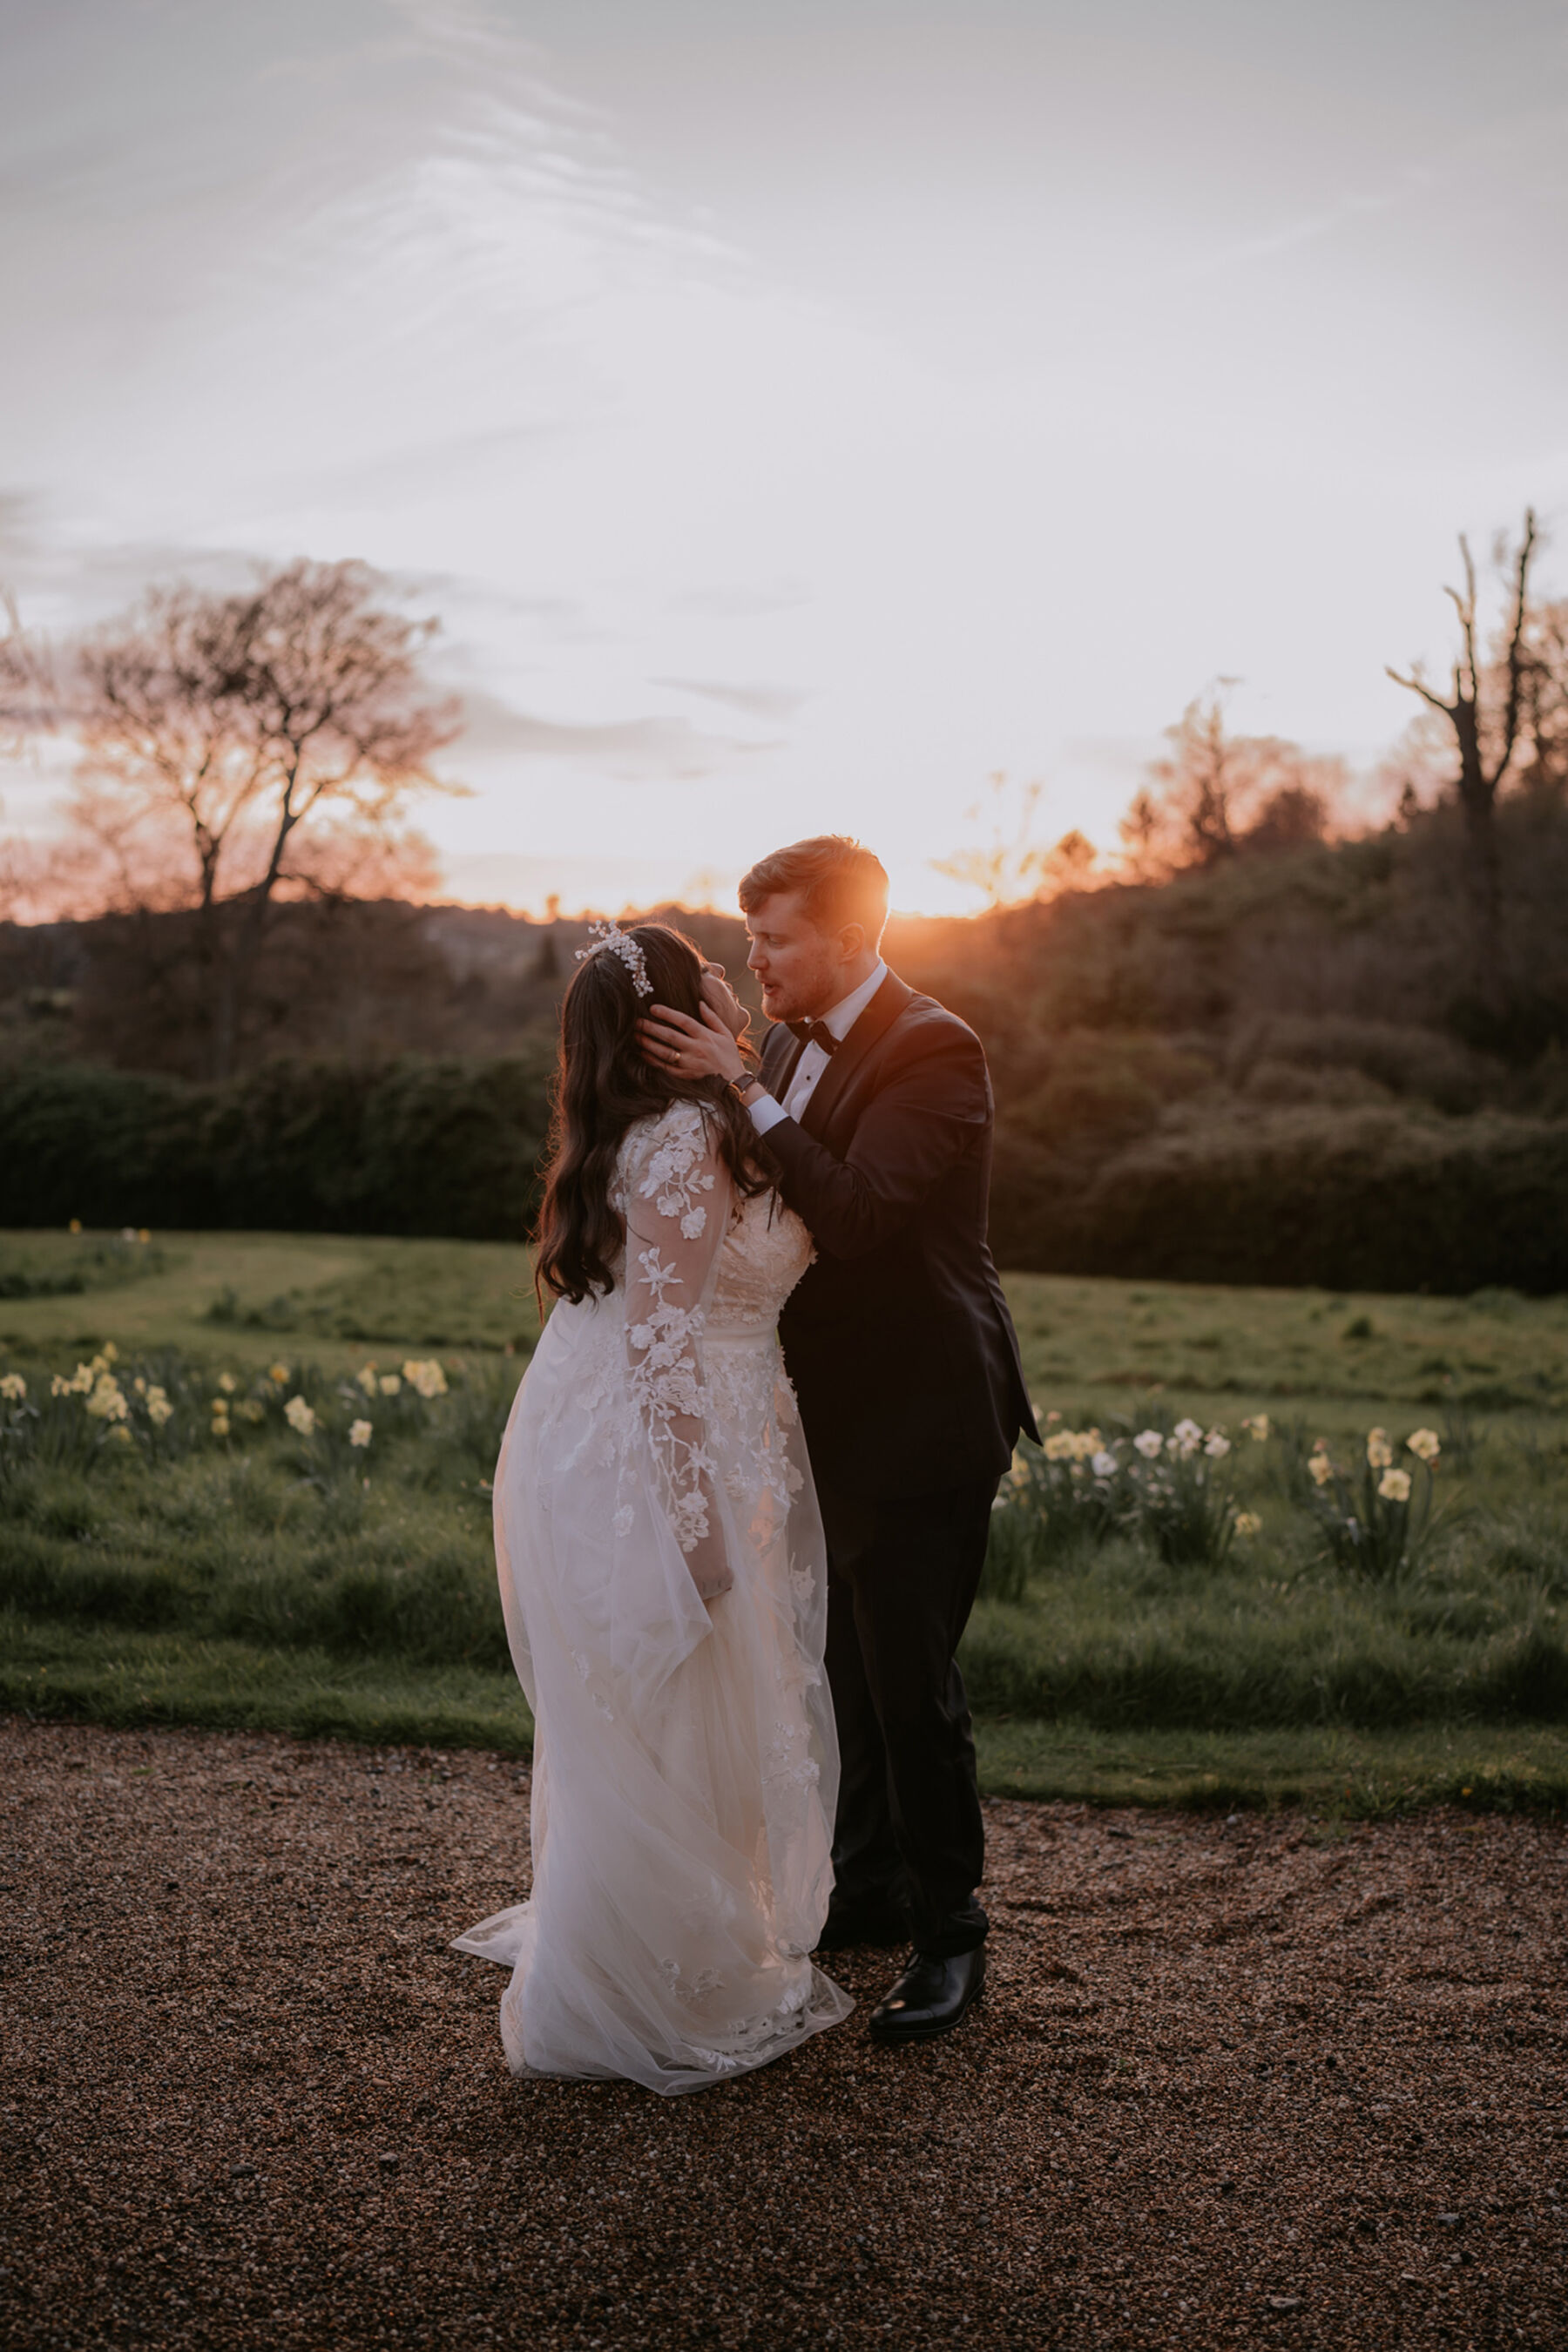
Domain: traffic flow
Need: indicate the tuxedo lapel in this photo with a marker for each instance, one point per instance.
(874, 1022)
(781, 1051)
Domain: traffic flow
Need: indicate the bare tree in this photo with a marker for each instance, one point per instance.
(1543, 757)
(1486, 712)
(235, 748)
(1007, 864)
(29, 692)
(1216, 795)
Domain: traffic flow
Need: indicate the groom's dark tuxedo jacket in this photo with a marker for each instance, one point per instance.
(898, 1339)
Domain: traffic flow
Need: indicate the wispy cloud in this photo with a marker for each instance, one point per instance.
(774, 702)
(629, 749)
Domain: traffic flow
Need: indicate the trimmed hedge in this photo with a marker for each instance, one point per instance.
(1375, 1199)
(1365, 1200)
(402, 1147)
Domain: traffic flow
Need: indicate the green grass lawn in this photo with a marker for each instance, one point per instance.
(260, 1577)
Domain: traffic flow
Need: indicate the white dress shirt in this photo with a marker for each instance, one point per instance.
(765, 1112)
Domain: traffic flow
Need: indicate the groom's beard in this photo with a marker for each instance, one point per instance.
(810, 999)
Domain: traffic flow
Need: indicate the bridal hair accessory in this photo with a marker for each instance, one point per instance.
(622, 944)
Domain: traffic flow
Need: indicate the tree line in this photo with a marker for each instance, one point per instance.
(240, 752)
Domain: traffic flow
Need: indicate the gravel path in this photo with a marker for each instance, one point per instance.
(1231, 2085)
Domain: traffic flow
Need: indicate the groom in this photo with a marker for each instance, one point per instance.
(877, 1107)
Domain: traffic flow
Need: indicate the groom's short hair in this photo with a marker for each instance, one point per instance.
(840, 879)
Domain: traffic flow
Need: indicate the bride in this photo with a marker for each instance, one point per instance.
(663, 1577)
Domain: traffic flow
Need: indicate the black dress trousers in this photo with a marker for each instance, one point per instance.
(902, 1576)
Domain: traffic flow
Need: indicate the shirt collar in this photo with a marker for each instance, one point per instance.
(843, 1016)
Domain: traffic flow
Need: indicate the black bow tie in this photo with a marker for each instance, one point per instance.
(814, 1032)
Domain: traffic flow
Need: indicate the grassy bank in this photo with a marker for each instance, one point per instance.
(221, 1550)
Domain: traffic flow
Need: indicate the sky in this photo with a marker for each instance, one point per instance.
(795, 414)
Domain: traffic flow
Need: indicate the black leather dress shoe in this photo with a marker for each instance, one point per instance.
(930, 1998)
(849, 1924)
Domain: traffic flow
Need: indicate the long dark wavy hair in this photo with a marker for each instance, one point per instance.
(601, 1084)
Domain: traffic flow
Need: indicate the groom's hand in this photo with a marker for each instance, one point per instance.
(687, 1048)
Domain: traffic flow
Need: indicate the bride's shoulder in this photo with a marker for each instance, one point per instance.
(669, 1158)
(681, 1126)
(668, 1146)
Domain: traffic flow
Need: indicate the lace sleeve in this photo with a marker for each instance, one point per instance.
(677, 1209)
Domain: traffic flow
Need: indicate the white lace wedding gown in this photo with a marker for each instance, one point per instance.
(685, 1768)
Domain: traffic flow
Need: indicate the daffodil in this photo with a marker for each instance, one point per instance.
(1149, 1444)
(1379, 1453)
(389, 1383)
(227, 1383)
(1248, 1523)
(299, 1416)
(1256, 1426)
(366, 1379)
(1425, 1443)
(1395, 1485)
(107, 1402)
(278, 1375)
(1321, 1469)
(359, 1432)
(13, 1387)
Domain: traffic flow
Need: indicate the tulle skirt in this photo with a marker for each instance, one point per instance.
(685, 1765)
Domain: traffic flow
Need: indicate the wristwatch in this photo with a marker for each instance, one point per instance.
(742, 1086)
